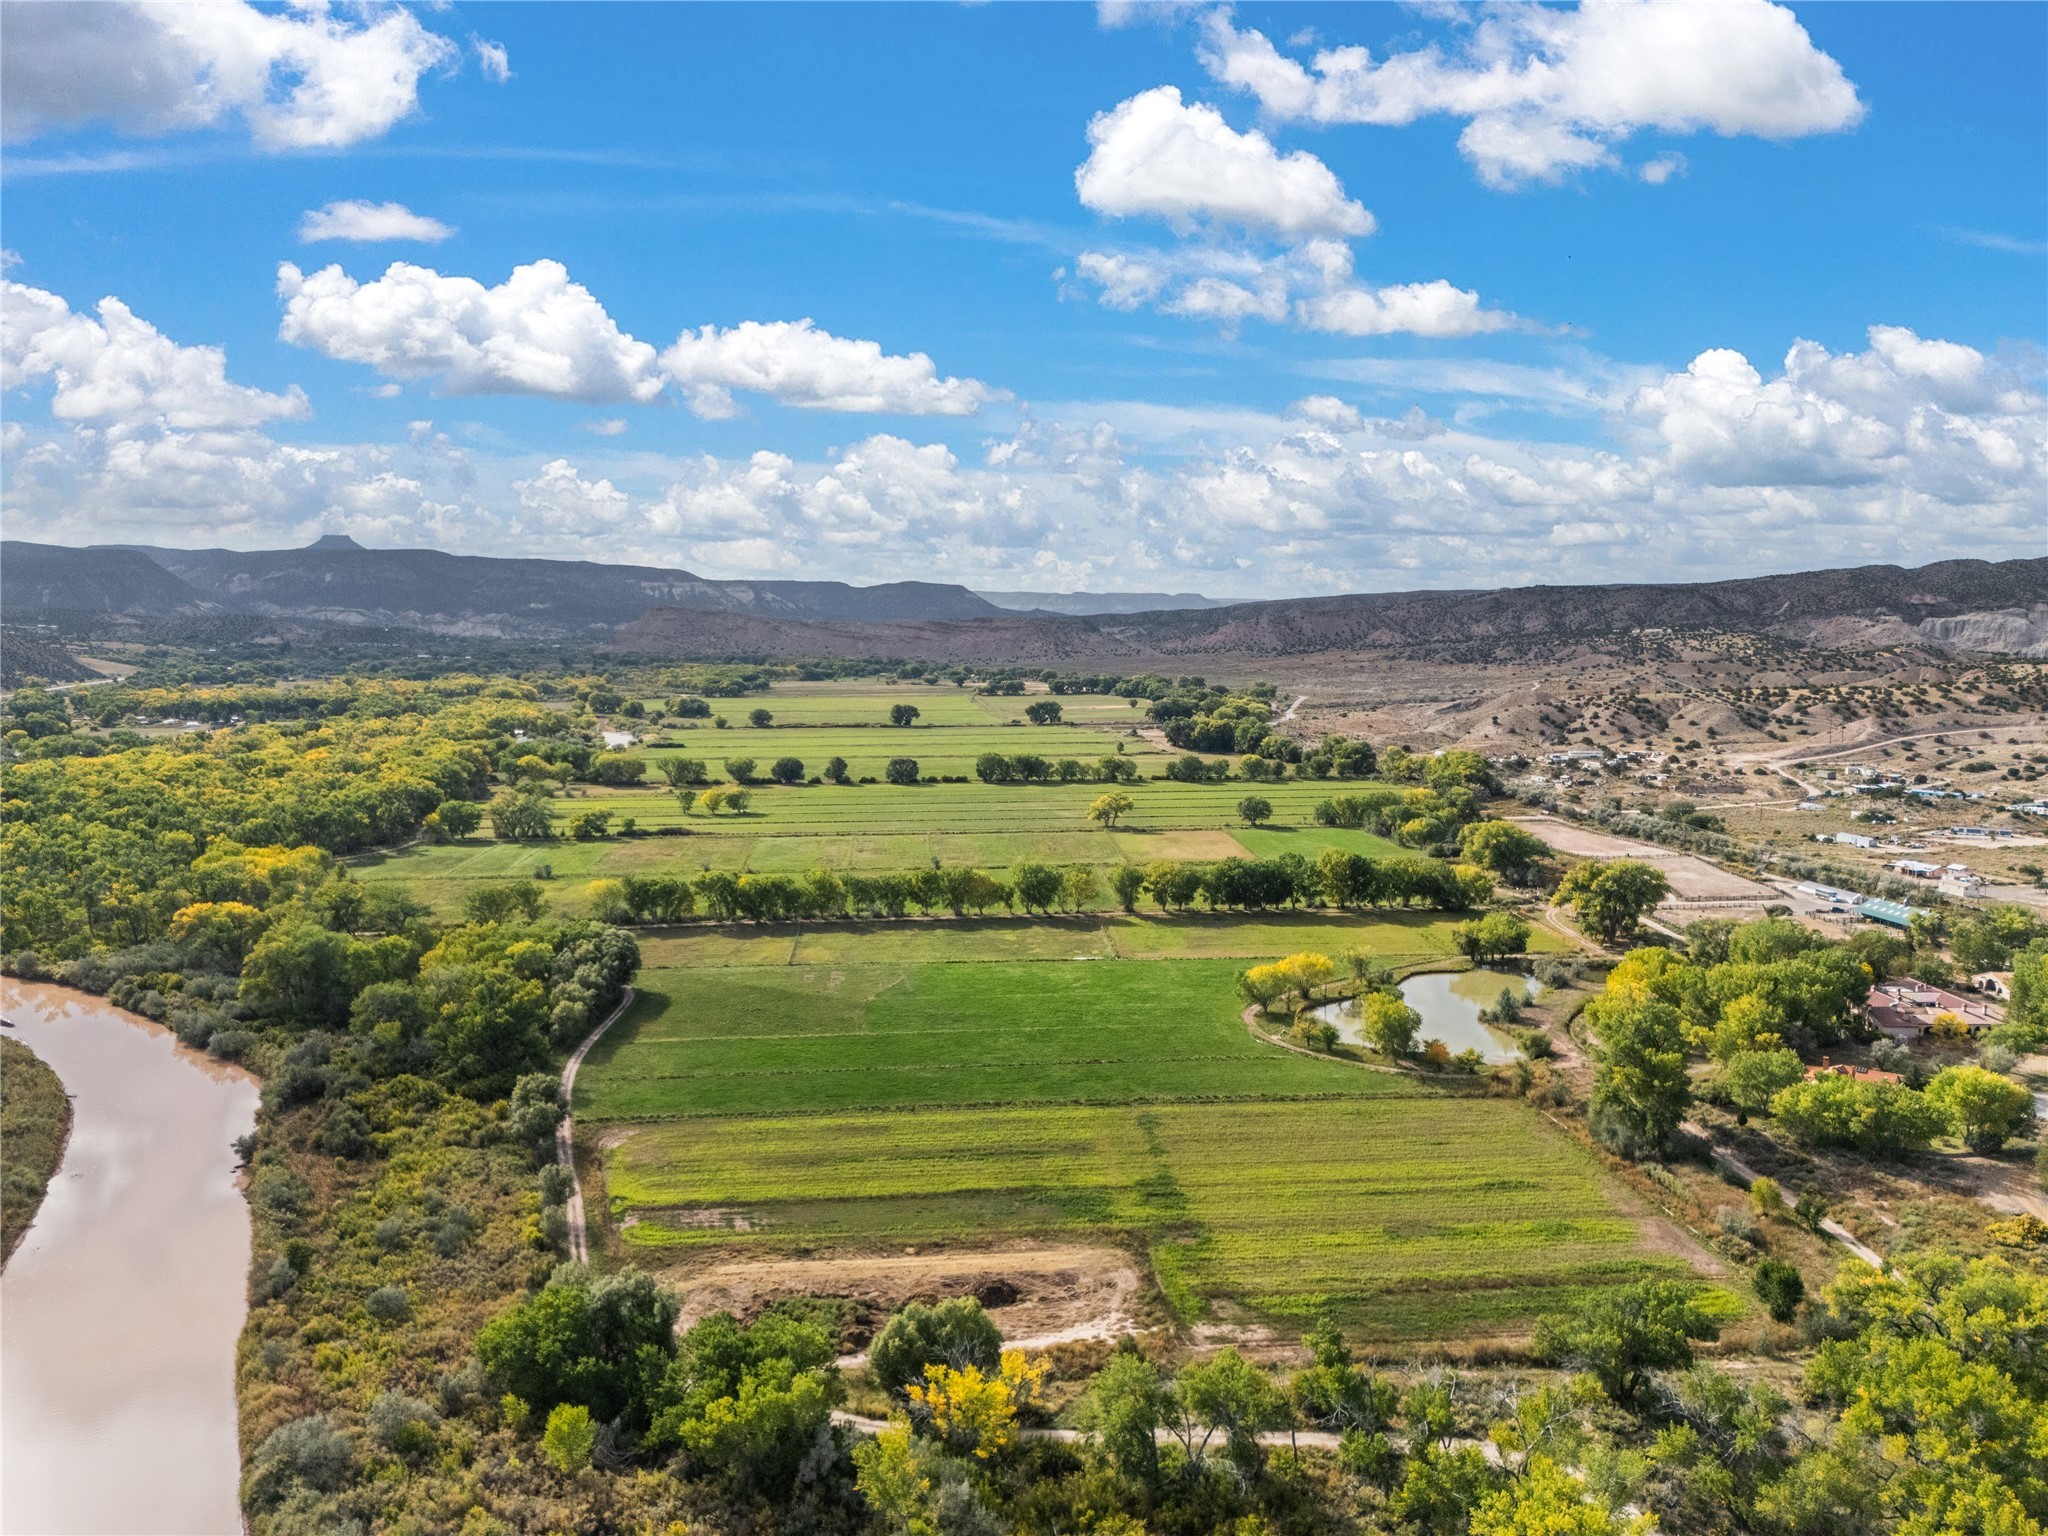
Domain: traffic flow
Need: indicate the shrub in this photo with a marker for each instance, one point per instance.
(309, 1451)
(570, 1436)
(388, 1304)
(1736, 1222)
(955, 1332)
(403, 1424)
(1779, 1286)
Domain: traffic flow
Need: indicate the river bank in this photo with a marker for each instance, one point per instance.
(35, 1123)
(125, 1298)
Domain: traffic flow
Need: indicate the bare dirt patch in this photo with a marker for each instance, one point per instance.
(1037, 1296)
(1692, 878)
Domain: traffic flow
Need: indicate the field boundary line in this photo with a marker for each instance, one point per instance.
(565, 1130)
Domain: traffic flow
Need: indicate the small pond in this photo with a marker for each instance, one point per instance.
(1449, 1003)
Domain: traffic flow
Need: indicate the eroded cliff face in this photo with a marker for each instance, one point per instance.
(2006, 631)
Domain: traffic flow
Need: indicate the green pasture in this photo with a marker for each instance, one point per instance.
(872, 828)
(1405, 1215)
(1393, 938)
(864, 702)
(833, 1036)
(939, 750)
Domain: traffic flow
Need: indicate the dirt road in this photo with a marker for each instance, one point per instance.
(565, 1133)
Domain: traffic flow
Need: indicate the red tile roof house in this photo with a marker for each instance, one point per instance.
(1854, 1074)
(1905, 1009)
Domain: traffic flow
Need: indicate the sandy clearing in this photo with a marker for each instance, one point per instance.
(1038, 1296)
(1692, 878)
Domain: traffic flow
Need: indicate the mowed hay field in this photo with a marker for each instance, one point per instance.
(1407, 1216)
(746, 1040)
(880, 827)
(801, 1107)
(1393, 938)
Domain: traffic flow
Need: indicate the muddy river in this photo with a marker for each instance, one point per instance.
(119, 1311)
(1450, 1003)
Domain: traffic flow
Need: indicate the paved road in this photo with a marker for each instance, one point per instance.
(565, 1133)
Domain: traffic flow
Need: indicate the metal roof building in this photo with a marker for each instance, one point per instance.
(1894, 914)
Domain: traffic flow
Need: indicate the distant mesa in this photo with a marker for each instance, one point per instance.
(1082, 604)
(1953, 605)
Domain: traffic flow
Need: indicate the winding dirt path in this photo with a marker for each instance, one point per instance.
(1829, 1225)
(565, 1132)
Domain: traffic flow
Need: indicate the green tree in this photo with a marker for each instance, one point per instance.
(1111, 808)
(902, 714)
(1128, 882)
(521, 815)
(1780, 1287)
(1623, 1335)
(901, 770)
(1984, 1108)
(1611, 899)
(955, 1332)
(760, 719)
(1079, 886)
(1512, 852)
(741, 769)
(1494, 936)
(1122, 1412)
(787, 770)
(1640, 1083)
(1389, 1024)
(570, 1437)
(1254, 810)
(1877, 1119)
(1233, 1397)
(456, 819)
(835, 770)
(602, 1343)
(1038, 886)
(1752, 1079)
(1043, 712)
(618, 768)
(681, 771)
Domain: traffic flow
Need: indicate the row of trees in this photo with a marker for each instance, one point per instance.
(1030, 768)
(1335, 879)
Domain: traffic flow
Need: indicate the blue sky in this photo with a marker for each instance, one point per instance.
(1258, 302)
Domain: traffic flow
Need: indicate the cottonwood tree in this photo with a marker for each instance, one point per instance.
(1612, 898)
(1111, 808)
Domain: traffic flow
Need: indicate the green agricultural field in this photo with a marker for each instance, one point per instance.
(747, 1041)
(1308, 840)
(863, 702)
(1406, 1215)
(875, 827)
(1391, 937)
(939, 750)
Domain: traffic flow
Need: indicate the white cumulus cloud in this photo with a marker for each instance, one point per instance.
(1156, 156)
(366, 221)
(800, 365)
(536, 333)
(304, 78)
(120, 372)
(1545, 92)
